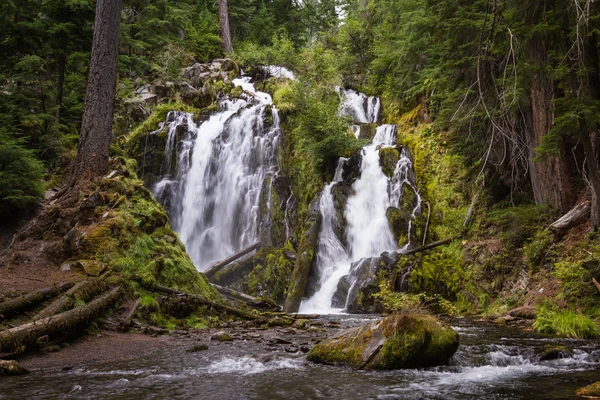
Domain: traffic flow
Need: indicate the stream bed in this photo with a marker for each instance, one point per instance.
(492, 362)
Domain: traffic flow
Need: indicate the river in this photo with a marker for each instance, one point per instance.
(492, 362)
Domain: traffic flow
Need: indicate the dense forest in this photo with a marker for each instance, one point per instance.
(479, 119)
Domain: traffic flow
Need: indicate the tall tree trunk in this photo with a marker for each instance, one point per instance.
(96, 127)
(549, 173)
(225, 32)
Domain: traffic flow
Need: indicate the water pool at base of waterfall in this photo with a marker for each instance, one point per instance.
(492, 362)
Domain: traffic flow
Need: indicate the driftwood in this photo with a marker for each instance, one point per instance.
(27, 334)
(218, 266)
(576, 216)
(84, 289)
(596, 283)
(200, 301)
(431, 246)
(30, 299)
(469, 215)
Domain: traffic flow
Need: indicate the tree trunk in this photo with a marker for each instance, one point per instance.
(96, 127)
(576, 216)
(549, 173)
(83, 290)
(224, 22)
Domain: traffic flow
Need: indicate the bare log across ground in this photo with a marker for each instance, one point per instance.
(31, 299)
(84, 289)
(431, 245)
(576, 216)
(67, 321)
(235, 295)
(200, 301)
(218, 266)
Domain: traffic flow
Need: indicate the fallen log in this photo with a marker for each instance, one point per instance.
(27, 334)
(31, 299)
(218, 266)
(431, 245)
(127, 321)
(235, 295)
(84, 290)
(576, 216)
(235, 271)
(200, 301)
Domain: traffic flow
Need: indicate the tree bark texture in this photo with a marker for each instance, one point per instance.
(33, 298)
(224, 22)
(96, 127)
(549, 173)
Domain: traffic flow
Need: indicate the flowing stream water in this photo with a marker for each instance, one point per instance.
(492, 363)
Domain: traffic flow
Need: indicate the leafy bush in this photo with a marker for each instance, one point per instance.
(565, 323)
(20, 177)
(518, 224)
(396, 302)
(537, 250)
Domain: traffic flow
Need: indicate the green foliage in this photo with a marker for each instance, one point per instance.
(407, 303)
(518, 224)
(538, 249)
(20, 177)
(576, 283)
(565, 323)
(280, 52)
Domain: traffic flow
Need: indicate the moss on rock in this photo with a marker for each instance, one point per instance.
(395, 342)
(388, 158)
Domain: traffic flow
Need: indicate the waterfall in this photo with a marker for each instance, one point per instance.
(368, 231)
(213, 196)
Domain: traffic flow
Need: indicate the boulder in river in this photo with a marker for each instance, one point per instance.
(394, 342)
(590, 391)
(11, 367)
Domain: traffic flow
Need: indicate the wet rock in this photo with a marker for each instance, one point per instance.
(367, 131)
(91, 267)
(590, 391)
(399, 223)
(222, 336)
(291, 349)
(395, 342)
(73, 241)
(197, 348)
(388, 158)
(524, 312)
(11, 368)
(300, 323)
(341, 294)
(554, 353)
(351, 169)
(304, 349)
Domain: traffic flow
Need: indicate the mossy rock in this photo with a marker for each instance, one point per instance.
(388, 158)
(590, 391)
(11, 368)
(556, 352)
(399, 222)
(395, 342)
(367, 131)
(222, 336)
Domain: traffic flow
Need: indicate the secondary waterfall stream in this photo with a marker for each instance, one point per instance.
(213, 192)
(368, 233)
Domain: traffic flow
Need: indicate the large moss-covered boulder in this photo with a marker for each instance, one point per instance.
(395, 342)
(367, 131)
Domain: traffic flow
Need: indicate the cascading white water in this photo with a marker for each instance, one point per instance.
(362, 109)
(368, 232)
(214, 197)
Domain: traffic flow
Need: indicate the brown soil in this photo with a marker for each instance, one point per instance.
(107, 346)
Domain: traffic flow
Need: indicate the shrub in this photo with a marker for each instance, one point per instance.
(20, 177)
(565, 323)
